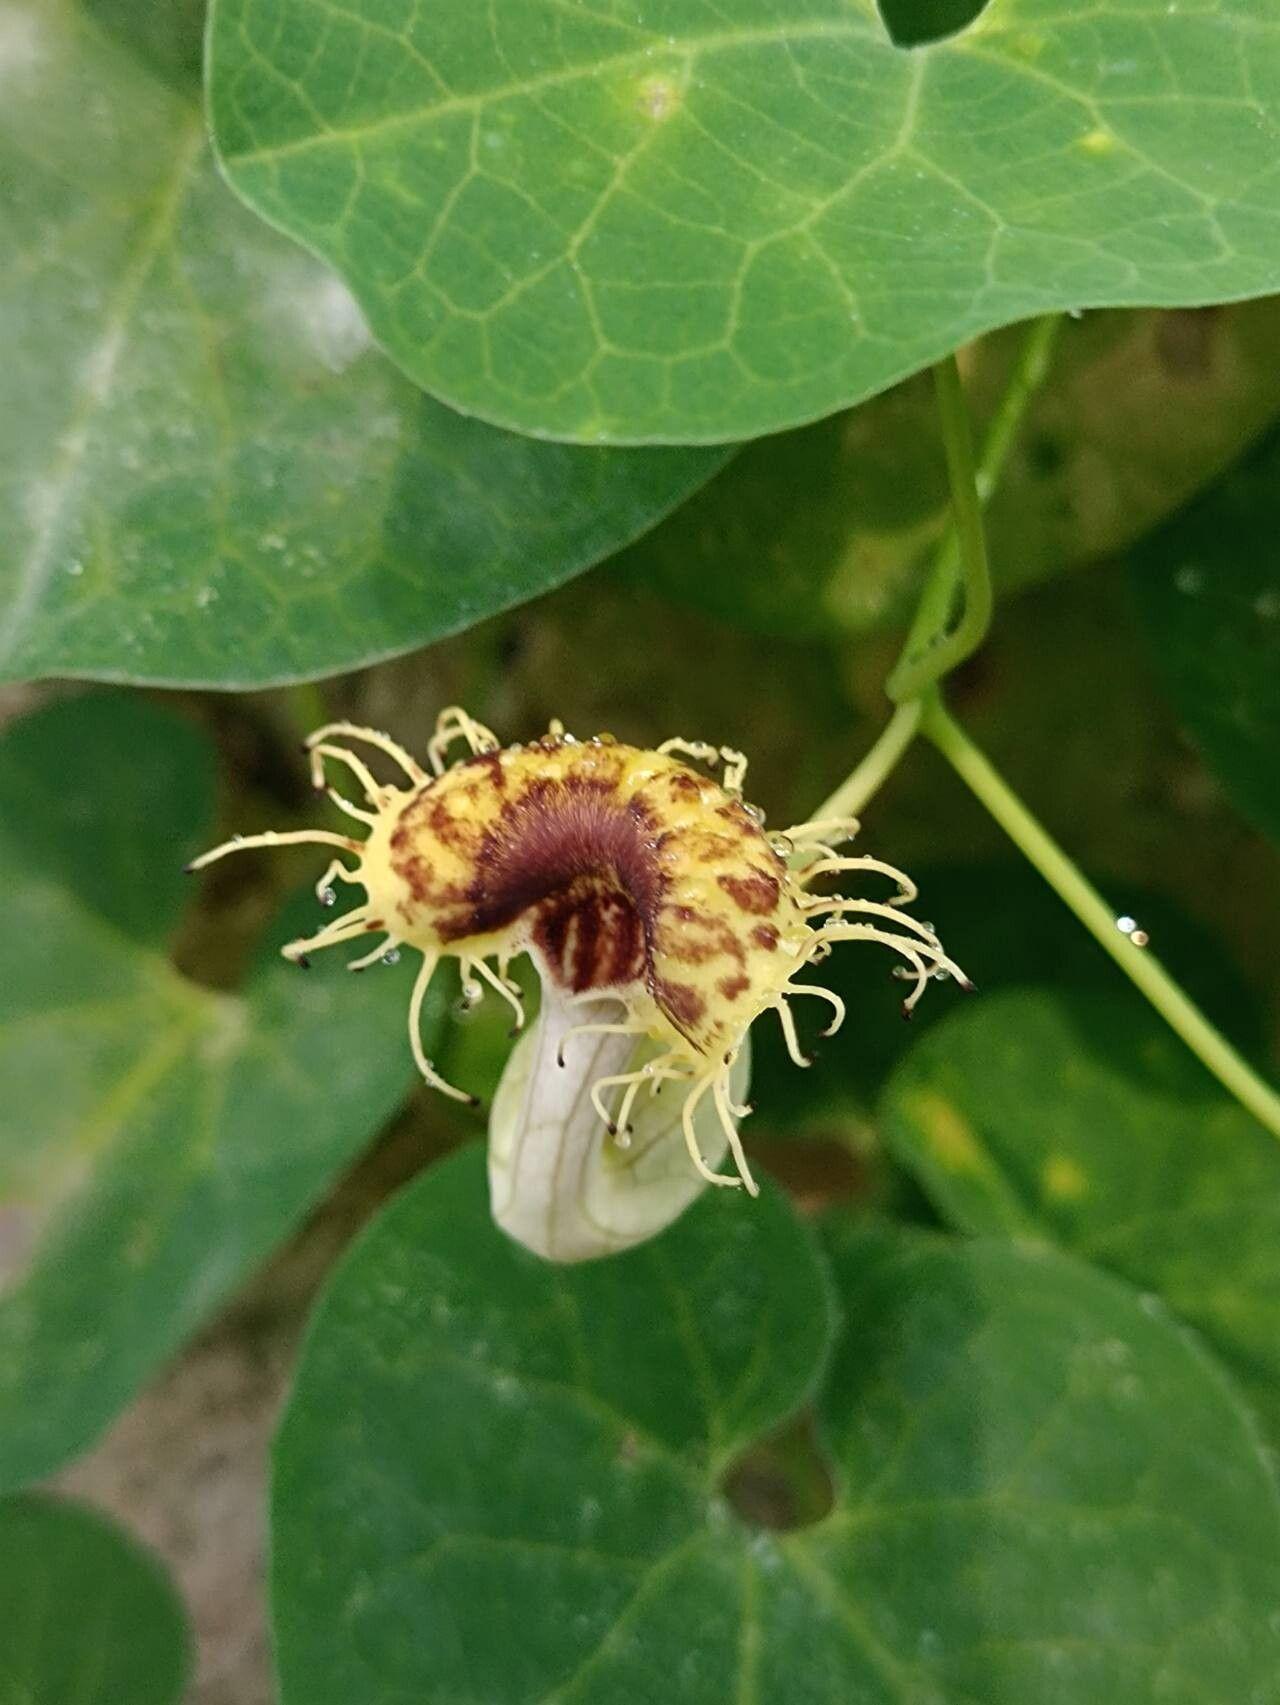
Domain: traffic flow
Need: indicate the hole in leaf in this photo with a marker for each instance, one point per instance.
(912, 23)
(1046, 454)
(784, 1481)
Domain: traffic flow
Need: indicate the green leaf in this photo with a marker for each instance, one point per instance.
(89, 1618)
(497, 1480)
(209, 473)
(157, 1139)
(1053, 1497)
(1082, 1118)
(827, 530)
(690, 221)
(1208, 588)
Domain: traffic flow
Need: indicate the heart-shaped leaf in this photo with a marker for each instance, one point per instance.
(157, 1139)
(698, 222)
(1208, 586)
(1081, 1118)
(89, 1618)
(209, 474)
(498, 1480)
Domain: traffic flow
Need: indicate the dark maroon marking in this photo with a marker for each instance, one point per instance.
(755, 893)
(732, 987)
(683, 1006)
(766, 936)
(491, 762)
(590, 936)
(581, 867)
(556, 833)
(681, 781)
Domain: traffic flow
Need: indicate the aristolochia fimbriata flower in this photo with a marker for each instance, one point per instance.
(662, 919)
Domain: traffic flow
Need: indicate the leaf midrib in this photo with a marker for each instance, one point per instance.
(98, 370)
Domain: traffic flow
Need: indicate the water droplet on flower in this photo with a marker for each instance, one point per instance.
(623, 1139)
(755, 812)
(391, 956)
(327, 897)
(782, 845)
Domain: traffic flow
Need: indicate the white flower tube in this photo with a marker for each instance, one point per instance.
(558, 1182)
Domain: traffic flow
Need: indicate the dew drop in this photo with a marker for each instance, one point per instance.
(755, 812)
(391, 956)
(1129, 927)
(327, 897)
(782, 845)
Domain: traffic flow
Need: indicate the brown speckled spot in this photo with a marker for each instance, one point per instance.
(683, 1006)
(445, 826)
(735, 814)
(757, 892)
(683, 785)
(694, 937)
(766, 936)
(732, 987)
(493, 766)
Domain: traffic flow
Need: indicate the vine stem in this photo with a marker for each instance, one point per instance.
(1182, 1015)
(930, 651)
(865, 780)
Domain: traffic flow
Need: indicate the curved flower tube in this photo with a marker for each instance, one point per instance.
(554, 1184)
(662, 920)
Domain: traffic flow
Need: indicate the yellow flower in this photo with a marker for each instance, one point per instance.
(628, 877)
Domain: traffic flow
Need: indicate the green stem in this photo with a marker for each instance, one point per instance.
(1209, 1046)
(304, 705)
(864, 781)
(929, 652)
